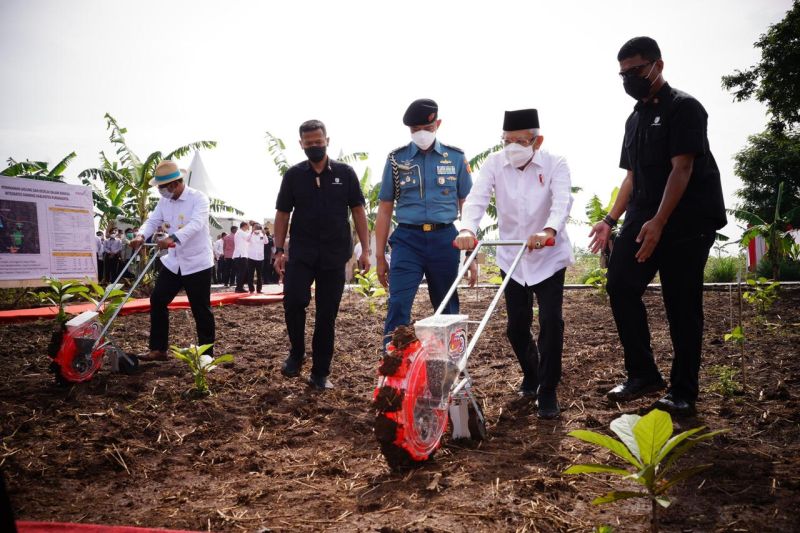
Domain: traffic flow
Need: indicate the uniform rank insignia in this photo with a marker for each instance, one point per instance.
(445, 169)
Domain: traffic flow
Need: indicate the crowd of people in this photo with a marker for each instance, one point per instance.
(671, 197)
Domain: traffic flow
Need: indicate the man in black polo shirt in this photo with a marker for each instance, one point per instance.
(317, 193)
(673, 205)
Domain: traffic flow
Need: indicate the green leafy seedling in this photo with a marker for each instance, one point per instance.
(370, 288)
(598, 278)
(646, 443)
(58, 294)
(199, 364)
(762, 295)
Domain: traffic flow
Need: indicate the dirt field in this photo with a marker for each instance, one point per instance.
(266, 453)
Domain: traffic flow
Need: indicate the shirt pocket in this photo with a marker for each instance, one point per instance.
(445, 187)
(655, 150)
(409, 183)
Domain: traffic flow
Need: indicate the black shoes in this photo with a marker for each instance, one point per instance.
(547, 405)
(319, 383)
(528, 389)
(676, 406)
(291, 367)
(634, 389)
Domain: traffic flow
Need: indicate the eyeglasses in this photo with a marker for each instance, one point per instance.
(522, 142)
(165, 185)
(634, 71)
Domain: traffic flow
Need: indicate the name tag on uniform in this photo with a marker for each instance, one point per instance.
(445, 169)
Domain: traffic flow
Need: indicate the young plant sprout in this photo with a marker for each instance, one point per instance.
(646, 443)
(200, 364)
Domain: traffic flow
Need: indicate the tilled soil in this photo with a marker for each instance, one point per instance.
(266, 452)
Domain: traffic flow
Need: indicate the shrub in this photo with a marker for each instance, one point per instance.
(789, 270)
(722, 269)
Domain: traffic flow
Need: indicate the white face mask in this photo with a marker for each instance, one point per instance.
(423, 138)
(518, 155)
(165, 193)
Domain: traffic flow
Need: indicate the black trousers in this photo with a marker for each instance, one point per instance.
(240, 268)
(296, 297)
(226, 270)
(198, 290)
(254, 269)
(540, 360)
(680, 260)
(111, 267)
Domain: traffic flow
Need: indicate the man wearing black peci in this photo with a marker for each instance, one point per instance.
(673, 205)
(318, 194)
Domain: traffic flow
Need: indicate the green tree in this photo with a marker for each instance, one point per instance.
(769, 159)
(38, 170)
(775, 79)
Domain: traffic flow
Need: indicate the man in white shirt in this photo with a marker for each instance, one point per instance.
(217, 248)
(98, 250)
(112, 248)
(240, 253)
(183, 212)
(533, 193)
(255, 258)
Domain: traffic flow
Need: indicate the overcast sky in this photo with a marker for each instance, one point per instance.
(173, 72)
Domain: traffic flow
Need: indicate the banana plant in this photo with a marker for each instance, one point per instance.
(38, 170)
(777, 233)
(645, 443)
(136, 174)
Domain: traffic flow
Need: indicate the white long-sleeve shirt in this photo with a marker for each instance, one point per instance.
(255, 249)
(112, 245)
(217, 247)
(528, 201)
(187, 219)
(241, 241)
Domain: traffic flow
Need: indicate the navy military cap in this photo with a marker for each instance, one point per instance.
(421, 112)
(521, 119)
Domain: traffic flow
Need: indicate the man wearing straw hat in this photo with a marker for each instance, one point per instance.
(188, 265)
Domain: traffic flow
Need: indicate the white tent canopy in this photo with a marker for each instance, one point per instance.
(199, 178)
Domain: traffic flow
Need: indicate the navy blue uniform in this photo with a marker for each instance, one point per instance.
(426, 188)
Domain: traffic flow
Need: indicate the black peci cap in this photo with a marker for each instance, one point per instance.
(522, 119)
(421, 112)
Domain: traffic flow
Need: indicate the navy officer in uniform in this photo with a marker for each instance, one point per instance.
(317, 193)
(427, 182)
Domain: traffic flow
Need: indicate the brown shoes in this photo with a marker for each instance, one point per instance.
(153, 355)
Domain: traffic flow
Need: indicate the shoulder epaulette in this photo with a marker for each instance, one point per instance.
(398, 149)
(451, 147)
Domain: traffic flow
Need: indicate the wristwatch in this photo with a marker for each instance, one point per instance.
(279, 250)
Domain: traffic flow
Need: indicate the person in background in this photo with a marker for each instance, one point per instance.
(99, 251)
(228, 247)
(112, 248)
(188, 262)
(267, 270)
(255, 258)
(219, 259)
(240, 252)
(126, 252)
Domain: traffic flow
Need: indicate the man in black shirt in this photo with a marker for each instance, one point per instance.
(317, 193)
(673, 205)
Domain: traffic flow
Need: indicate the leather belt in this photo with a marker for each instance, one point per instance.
(426, 227)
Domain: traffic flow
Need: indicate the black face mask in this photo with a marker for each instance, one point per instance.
(637, 87)
(315, 154)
